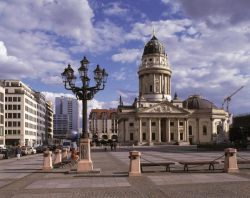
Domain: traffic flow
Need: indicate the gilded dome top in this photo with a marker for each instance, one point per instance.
(154, 46)
(197, 102)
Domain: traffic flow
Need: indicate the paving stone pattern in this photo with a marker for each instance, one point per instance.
(25, 178)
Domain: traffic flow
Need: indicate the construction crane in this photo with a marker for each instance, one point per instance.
(228, 98)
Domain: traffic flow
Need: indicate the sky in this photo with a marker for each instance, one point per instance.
(207, 43)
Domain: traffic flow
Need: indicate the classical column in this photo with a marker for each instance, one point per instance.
(124, 131)
(186, 130)
(178, 133)
(140, 135)
(212, 126)
(149, 131)
(168, 129)
(198, 130)
(159, 130)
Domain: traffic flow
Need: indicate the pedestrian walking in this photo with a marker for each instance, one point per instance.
(18, 152)
(115, 145)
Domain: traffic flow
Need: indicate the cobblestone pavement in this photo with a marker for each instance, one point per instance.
(25, 178)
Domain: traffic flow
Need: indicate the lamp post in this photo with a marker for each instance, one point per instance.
(84, 93)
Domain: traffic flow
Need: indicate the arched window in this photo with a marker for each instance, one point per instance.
(204, 129)
(190, 130)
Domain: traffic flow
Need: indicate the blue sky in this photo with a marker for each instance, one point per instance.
(207, 43)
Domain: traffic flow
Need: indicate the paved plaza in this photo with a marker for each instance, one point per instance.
(25, 178)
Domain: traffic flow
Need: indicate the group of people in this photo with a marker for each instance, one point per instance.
(113, 146)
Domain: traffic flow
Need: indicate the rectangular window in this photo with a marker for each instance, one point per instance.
(172, 136)
(19, 107)
(14, 99)
(151, 88)
(9, 115)
(1, 119)
(171, 123)
(9, 107)
(14, 107)
(19, 99)
(6, 99)
(10, 99)
(1, 108)
(14, 115)
(14, 124)
(131, 136)
(153, 136)
(144, 124)
(131, 124)
(181, 123)
(181, 136)
(9, 124)
(153, 124)
(144, 136)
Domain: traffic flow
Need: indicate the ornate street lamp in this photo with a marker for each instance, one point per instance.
(84, 93)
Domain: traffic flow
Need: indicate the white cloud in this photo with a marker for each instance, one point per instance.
(127, 55)
(115, 9)
(53, 31)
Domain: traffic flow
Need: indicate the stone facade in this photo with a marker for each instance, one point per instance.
(156, 118)
(103, 124)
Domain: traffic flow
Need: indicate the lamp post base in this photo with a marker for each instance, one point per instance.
(85, 164)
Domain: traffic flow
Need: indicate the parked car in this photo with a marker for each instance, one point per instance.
(27, 150)
(41, 149)
(31, 150)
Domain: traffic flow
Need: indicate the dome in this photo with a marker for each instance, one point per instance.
(197, 102)
(153, 46)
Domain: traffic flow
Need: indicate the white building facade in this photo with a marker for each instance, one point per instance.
(20, 114)
(156, 118)
(49, 122)
(2, 105)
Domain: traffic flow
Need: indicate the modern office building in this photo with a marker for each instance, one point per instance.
(20, 114)
(156, 118)
(2, 133)
(103, 124)
(49, 122)
(66, 118)
(41, 111)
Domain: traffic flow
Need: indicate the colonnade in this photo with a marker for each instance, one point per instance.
(163, 135)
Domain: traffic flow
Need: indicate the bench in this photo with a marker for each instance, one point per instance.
(210, 163)
(165, 164)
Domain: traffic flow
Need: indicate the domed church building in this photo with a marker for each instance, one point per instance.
(157, 118)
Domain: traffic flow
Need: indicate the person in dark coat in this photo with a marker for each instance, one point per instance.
(18, 152)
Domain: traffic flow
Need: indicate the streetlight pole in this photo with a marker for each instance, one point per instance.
(84, 93)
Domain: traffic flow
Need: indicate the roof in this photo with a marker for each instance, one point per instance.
(197, 102)
(154, 46)
(100, 112)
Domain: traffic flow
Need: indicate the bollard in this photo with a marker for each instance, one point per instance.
(47, 161)
(230, 165)
(135, 164)
(64, 154)
(58, 156)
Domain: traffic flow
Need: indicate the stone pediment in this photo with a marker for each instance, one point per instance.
(165, 107)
